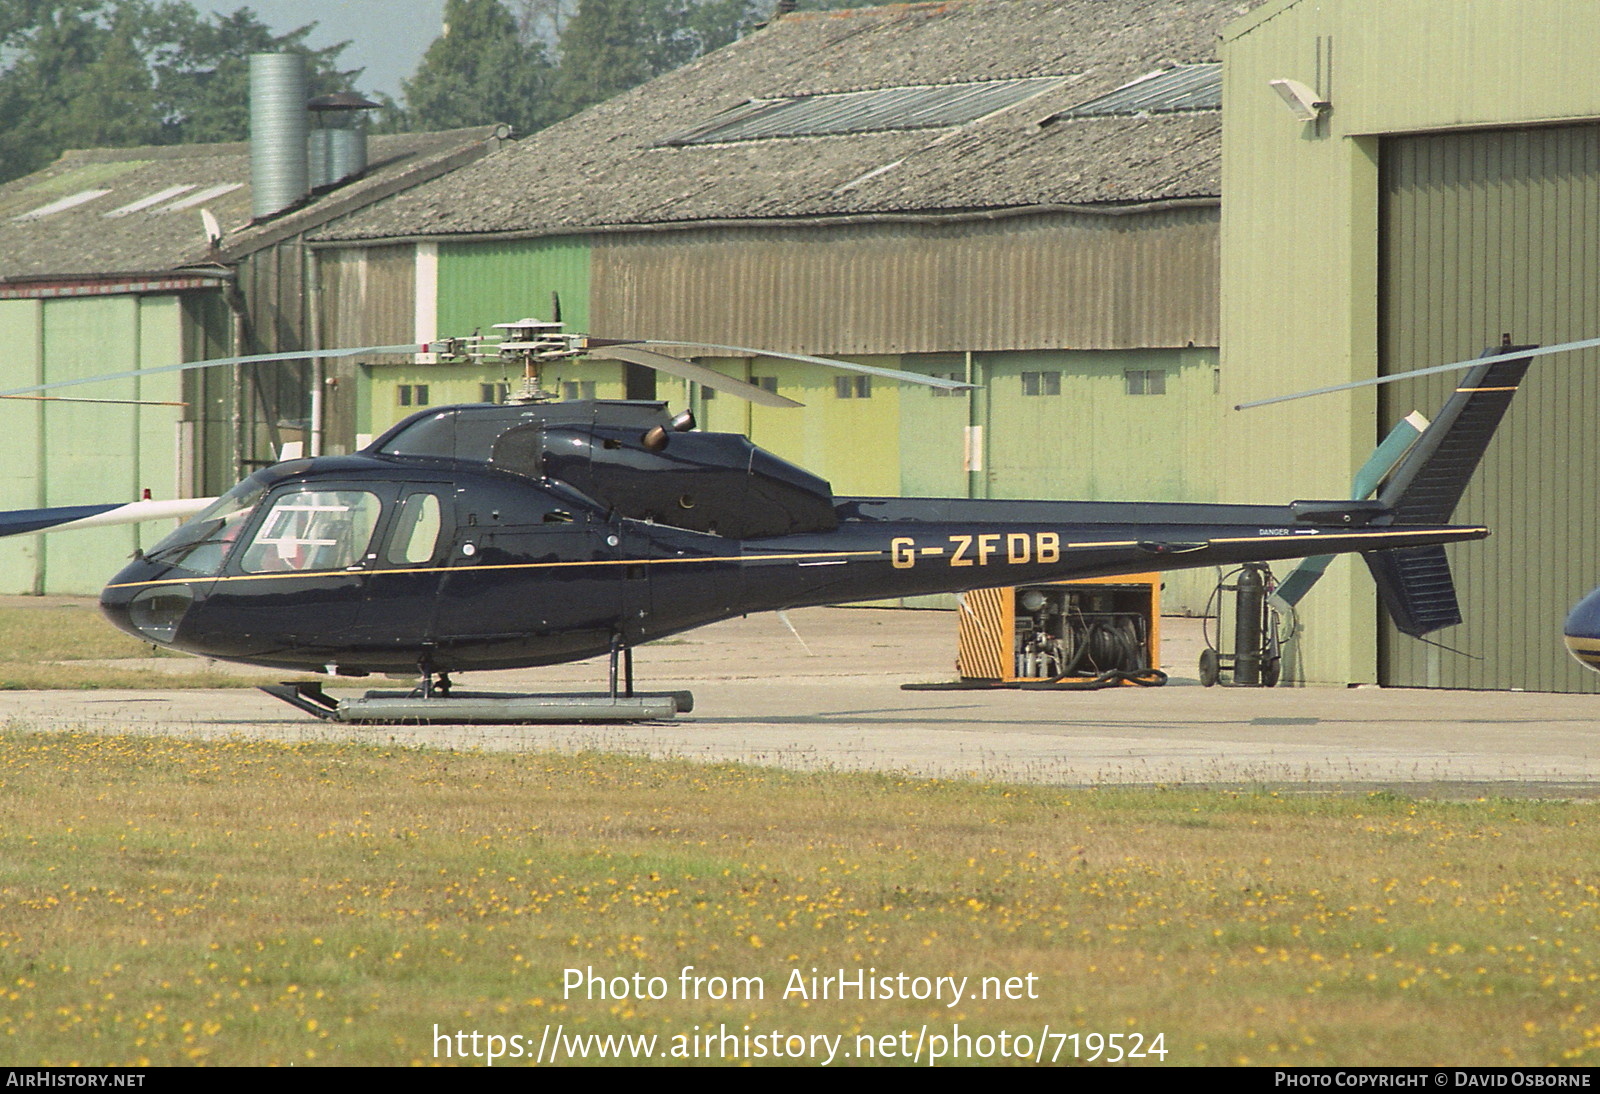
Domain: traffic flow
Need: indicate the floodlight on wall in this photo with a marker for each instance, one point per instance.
(1300, 99)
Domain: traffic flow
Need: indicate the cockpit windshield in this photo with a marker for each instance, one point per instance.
(202, 544)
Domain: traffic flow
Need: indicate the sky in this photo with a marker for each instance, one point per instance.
(387, 37)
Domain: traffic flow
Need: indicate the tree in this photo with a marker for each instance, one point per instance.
(109, 102)
(681, 30)
(201, 68)
(113, 73)
(541, 20)
(609, 46)
(480, 71)
(604, 52)
(51, 46)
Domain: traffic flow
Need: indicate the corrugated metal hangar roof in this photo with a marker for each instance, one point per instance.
(907, 108)
(135, 211)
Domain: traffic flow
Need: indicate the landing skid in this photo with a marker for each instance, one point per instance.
(482, 707)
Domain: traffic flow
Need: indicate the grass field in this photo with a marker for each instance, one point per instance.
(170, 901)
(55, 642)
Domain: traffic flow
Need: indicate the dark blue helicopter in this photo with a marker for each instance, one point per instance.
(499, 536)
(1582, 631)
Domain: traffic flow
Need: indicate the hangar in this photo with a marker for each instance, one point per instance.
(1446, 194)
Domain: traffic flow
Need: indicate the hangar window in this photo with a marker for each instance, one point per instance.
(941, 366)
(1145, 381)
(1180, 90)
(924, 106)
(577, 389)
(1041, 383)
(412, 394)
(852, 387)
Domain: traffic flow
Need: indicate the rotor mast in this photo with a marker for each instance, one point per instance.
(532, 342)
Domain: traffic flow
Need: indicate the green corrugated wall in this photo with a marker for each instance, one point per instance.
(479, 285)
(1488, 233)
(60, 453)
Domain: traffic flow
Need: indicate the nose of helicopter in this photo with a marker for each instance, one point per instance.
(150, 613)
(1583, 631)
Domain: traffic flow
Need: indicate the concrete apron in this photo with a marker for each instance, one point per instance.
(830, 699)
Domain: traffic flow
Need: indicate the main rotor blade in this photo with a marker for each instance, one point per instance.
(214, 362)
(1454, 366)
(19, 522)
(117, 402)
(688, 370)
(748, 351)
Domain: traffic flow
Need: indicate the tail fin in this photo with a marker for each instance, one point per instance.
(1415, 584)
(1426, 486)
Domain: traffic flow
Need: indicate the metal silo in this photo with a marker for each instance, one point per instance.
(278, 172)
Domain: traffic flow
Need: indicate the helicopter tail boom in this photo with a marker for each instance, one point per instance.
(906, 547)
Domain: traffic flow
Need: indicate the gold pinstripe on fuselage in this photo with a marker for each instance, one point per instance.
(884, 553)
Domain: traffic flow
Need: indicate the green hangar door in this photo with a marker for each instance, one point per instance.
(1485, 233)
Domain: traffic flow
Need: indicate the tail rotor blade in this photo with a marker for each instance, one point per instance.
(1382, 461)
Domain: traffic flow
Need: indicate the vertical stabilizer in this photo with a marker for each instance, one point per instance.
(1415, 584)
(1428, 483)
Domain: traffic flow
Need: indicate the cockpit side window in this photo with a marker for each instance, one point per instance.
(415, 536)
(307, 530)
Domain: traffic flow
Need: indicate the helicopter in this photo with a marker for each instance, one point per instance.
(492, 536)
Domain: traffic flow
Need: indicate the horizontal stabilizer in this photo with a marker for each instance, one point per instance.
(1416, 586)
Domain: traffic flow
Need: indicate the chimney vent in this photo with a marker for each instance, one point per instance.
(278, 170)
